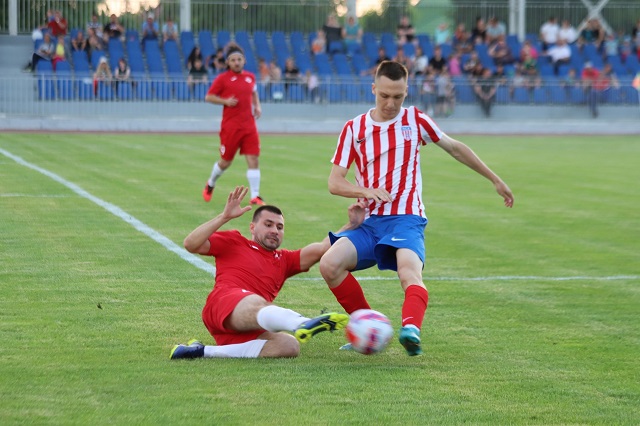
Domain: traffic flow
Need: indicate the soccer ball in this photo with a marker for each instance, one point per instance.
(369, 331)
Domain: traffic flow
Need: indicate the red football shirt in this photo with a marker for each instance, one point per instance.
(241, 86)
(246, 264)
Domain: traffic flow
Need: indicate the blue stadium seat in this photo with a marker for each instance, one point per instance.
(521, 95)
(359, 63)
(187, 43)
(353, 91)
(125, 91)
(242, 39)
(323, 65)
(631, 95)
(223, 38)
(336, 47)
(540, 96)
(84, 86)
(341, 63)
(162, 89)
(136, 61)
(370, 46)
(143, 90)
(264, 92)
(200, 91)
(557, 94)
(95, 58)
(80, 61)
(297, 42)
(205, 41)
(65, 86)
(295, 93)
(409, 50)
(576, 95)
(365, 89)
(333, 91)
(261, 43)
(105, 92)
(154, 57)
(181, 89)
(46, 87)
(276, 91)
(425, 43)
(632, 64)
(387, 38)
(503, 96)
(172, 57)
(132, 35)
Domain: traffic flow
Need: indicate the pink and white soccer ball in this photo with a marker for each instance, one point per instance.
(369, 331)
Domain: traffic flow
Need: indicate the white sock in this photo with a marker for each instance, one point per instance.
(216, 172)
(253, 176)
(250, 349)
(274, 318)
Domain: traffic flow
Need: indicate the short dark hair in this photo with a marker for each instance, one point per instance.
(268, 208)
(392, 70)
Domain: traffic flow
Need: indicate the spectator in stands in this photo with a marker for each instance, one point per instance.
(95, 24)
(485, 91)
(454, 65)
(420, 62)
(218, 63)
(102, 74)
(382, 56)
(405, 31)
(291, 73)
(479, 32)
(591, 34)
(80, 43)
(197, 74)
(594, 86)
(567, 32)
(442, 34)
(438, 62)
(477, 72)
(405, 60)
(44, 52)
(94, 42)
(352, 35)
(170, 30)
(58, 26)
(445, 94)
(500, 52)
(263, 70)
(495, 30)
(319, 44)
(626, 48)
(570, 80)
(195, 53)
(560, 54)
(528, 51)
(113, 29)
(428, 94)
(275, 72)
(312, 84)
(471, 62)
(122, 73)
(150, 29)
(518, 80)
(333, 33)
(611, 46)
(549, 33)
(461, 40)
(609, 76)
(60, 52)
(528, 64)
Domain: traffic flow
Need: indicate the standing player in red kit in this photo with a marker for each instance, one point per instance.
(239, 312)
(236, 90)
(384, 144)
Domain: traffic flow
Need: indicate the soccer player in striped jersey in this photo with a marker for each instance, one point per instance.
(384, 146)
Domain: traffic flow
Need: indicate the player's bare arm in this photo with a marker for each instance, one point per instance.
(339, 185)
(311, 254)
(257, 108)
(198, 240)
(466, 156)
(217, 100)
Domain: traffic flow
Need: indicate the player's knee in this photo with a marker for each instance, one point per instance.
(283, 346)
(329, 267)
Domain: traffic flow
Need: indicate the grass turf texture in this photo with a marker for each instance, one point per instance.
(90, 307)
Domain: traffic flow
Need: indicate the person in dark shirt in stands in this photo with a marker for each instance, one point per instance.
(405, 31)
(113, 29)
(438, 62)
(332, 31)
(197, 74)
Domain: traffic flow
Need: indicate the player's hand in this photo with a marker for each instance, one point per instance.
(231, 102)
(379, 195)
(232, 209)
(504, 191)
(257, 112)
(356, 212)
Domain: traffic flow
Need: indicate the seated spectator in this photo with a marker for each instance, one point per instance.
(499, 75)
(150, 29)
(500, 52)
(93, 41)
(528, 64)
(197, 74)
(485, 91)
(495, 30)
(58, 26)
(196, 53)
(263, 70)
(438, 62)
(479, 32)
(528, 51)
(455, 68)
(567, 32)
(549, 33)
(461, 40)
(95, 24)
(404, 59)
(80, 43)
(332, 31)
(312, 84)
(218, 63)
(560, 54)
(275, 73)
(477, 72)
(420, 62)
(319, 44)
(170, 30)
(291, 73)
(405, 31)
(382, 56)
(591, 34)
(60, 52)
(626, 48)
(570, 80)
(352, 35)
(102, 74)
(113, 29)
(611, 46)
(44, 52)
(471, 62)
(609, 76)
(122, 73)
(442, 34)
(445, 94)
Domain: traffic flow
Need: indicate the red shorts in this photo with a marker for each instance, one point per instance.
(244, 138)
(220, 304)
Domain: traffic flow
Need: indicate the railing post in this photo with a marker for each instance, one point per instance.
(185, 15)
(13, 17)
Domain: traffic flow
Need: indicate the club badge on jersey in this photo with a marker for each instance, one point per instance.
(406, 132)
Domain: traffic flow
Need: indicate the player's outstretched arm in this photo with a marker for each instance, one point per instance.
(198, 240)
(466, 156)
(311, 254)
(339, 185)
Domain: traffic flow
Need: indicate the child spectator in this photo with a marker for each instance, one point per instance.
(60, 52)
(197, 74)
(195, 54)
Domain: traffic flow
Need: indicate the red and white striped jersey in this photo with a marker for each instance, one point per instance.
(387, 155)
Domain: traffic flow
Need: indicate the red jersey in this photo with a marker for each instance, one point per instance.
(58, 29)
(387, 155)
(246, 264)
(241, 86)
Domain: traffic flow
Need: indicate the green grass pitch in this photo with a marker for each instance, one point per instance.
(534, 313)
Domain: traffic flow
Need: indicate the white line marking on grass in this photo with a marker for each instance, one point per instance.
(35, 195)
(118, 212)
(201, 264)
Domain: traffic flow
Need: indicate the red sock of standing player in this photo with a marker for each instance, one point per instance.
(414, 307)
(350, 295)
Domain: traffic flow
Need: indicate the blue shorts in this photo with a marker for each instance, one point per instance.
(378, 238)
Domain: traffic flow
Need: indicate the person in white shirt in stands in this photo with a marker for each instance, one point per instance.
(549, 33)
(560, 54)
(567, 32)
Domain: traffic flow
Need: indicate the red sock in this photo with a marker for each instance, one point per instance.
(414, 307)
(350, 295)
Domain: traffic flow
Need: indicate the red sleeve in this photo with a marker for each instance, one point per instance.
(293, 262)
(218, 241)
(216, 86)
